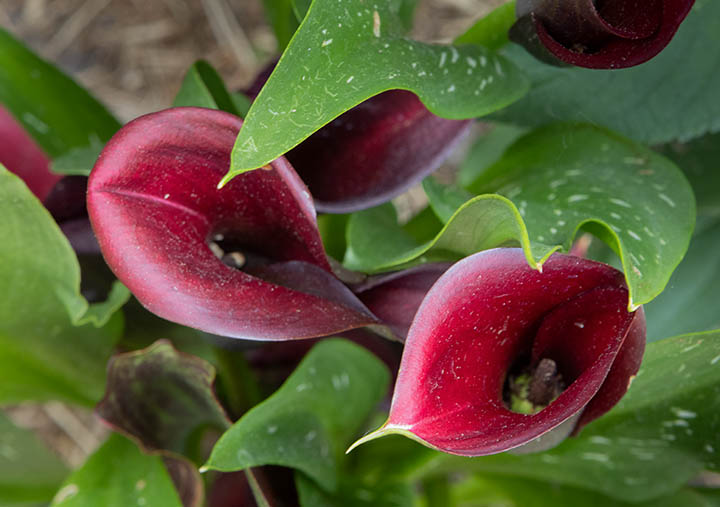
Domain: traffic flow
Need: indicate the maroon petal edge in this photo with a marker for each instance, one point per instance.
(154, 205)
(491, 311)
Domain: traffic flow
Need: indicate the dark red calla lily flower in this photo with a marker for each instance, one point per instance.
(21, 155)
(373, 152)
(598, 34)
(396, 297)
(245, 261)
(494, 336)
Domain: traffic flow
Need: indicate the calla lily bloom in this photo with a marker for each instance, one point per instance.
(244, 261)
(373, 152)
(607, 34)
(492, 324)
(22, 156)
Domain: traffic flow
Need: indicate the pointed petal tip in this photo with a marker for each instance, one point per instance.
(380, 432)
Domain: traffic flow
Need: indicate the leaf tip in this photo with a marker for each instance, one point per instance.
(203, 469)
(225, 180)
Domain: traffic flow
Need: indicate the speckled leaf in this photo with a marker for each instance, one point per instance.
(344, 53)
(308, 422)
(58, 113)
(640, 102)
(557, 179)
(164, 398)
(203, 87)
(119, 475)
(29, 472)
(564, 176)
(41, 271)
(659, 436)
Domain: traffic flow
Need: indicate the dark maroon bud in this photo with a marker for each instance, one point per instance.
(597, 34)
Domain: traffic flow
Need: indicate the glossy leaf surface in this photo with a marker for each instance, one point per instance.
(155, 208)
(59, 114)
(163, 398)
(687, 67)
(639, 203)
(374, 152)
(607, 35)
(29, 472)
(495, 305)
(340, 56)
(308, 422)
(119, 475)
(36, 325)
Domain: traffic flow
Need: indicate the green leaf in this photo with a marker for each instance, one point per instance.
(552, 182)
(352, 493)
(345, 53)
(77, 161)
(700, 160)
(564, 176)
(283, 18)
(119, 475)
(163, 398)
(487, 150)
(444, 199)
(689, 303)
(491, 31)
(29, 472)
(47, 349)
(659, 436)
(511, 492)
(55, 110)
(203, 87)
(308, 423)
(640, 102)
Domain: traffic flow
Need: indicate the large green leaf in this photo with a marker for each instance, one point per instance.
(660, 435)
(203, 87)
(551, 183)
(309, 421)
(484, 491)
(47, 347)
(119, 475)
(346, 52)
(487, 150)
(673, 96)
(58, 113)
(29, 472)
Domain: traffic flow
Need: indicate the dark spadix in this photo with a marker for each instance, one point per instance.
(598, 34)
(491, 314)
(169, 234)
